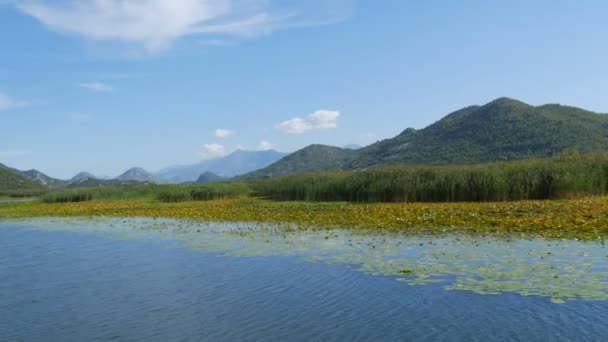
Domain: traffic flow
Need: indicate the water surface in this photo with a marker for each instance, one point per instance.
(74, 280)
(16, 200)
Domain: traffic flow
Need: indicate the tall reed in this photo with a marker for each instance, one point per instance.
(548, 178)
(160, 192)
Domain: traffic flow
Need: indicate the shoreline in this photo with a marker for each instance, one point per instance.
(583, 219)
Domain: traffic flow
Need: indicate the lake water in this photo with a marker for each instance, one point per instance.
(163, 280)
(16, 200)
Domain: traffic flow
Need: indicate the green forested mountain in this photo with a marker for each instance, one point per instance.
(504, 129)
(314, 158)
(12, 182)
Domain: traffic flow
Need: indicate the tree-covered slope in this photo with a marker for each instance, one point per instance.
(504, 129)
(314, 158)
(43, 179)
(13, 182)
(209, 177)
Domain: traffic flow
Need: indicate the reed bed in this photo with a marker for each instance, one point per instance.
(571, 176)
(162, 193)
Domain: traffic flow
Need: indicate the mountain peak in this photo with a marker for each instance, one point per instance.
(312, 158)
(82, 175)
(507, 101)
(209, 177)
(137, 174)
(42, 179)
(237, 163)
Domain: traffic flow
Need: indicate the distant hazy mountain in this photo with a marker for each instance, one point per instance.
(209, 177)
(236, 163)
(504, 129)
(82, 176)
(137, 174)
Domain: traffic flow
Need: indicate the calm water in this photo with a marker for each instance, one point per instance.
(16, 200)
(165, 281)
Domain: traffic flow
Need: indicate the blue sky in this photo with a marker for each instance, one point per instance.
(104, 85)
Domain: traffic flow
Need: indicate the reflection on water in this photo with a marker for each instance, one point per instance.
(141, 284)
(558, 269)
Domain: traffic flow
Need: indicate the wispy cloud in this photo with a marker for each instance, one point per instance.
(213, 150)
(223, 133)
(97, 86)
(155, 24)
(7, 102)
(9, 153)
(321, 119)
(265, 146)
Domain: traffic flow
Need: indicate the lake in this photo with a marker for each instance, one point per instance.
(16, 200)
(165, 280)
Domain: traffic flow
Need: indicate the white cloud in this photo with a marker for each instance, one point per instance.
(265, 146)
(97, 86)
(223, 133)
(321, 119)
(213, 150)
(7, 103)
(155, 24)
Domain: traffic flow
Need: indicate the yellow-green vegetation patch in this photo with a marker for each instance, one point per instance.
(557, 269)
(585, 219)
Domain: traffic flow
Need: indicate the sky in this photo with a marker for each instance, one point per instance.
(105, 85)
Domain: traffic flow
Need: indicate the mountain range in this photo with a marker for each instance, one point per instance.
(504, 129)
(206, 171)
(237, 163)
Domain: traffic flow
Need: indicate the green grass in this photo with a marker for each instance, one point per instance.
(548, 178)
(162, 193)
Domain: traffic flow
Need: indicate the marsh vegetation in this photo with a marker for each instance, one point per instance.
(159, 192)
(559, 197)
(566, 176)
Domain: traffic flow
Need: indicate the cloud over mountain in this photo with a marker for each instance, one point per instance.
(321, 119)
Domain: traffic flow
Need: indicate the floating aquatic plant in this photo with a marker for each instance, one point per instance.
(584, 219)
(557, 269)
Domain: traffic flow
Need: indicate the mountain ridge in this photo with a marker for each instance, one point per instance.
(11, 181)
(503, 129)
(236, 163)
(137, 174)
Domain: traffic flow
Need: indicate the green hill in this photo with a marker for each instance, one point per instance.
(209, 177)
(14, 184)
(43, 179)
(504, 129)
(314, 158)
